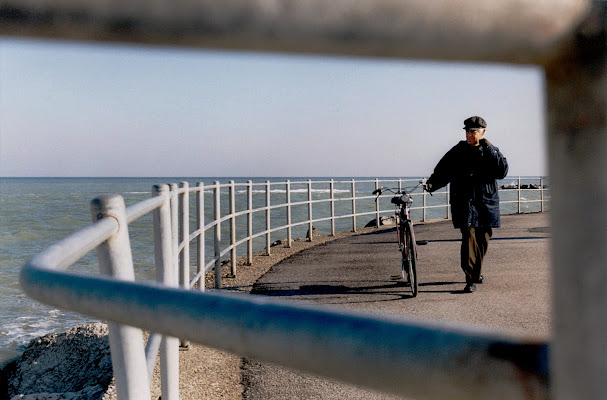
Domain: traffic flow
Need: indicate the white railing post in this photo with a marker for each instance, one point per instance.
(250, 222)
(232, 230)
(332, 192)
(217, 242)
(184, 236)
(175, 226)
(541, 194)
(126, 342)
(289, 221)
(201, 237)
(424, 205)
(447, 201)
(377, 220)
(165, 274)
(519, 195)
(310, 226)
(268, 224)
(353, 205)
(184, 239)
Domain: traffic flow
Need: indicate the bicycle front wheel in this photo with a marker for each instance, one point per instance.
(410, 258)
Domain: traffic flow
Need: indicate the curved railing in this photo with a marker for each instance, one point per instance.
(354, 202)
(259, 327)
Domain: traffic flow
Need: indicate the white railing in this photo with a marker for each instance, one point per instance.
(190, 315)
(351, 205)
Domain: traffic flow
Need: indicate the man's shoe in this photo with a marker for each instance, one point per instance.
(480, 280)
(470, 287)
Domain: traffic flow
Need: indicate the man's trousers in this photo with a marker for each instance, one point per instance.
(474, 247)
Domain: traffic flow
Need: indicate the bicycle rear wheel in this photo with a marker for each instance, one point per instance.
(410, 258)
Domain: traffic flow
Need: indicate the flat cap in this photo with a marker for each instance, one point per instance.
(475, 122)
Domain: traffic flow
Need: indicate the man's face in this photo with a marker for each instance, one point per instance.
(473, 136)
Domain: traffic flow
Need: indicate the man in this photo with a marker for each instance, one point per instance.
(472, 167)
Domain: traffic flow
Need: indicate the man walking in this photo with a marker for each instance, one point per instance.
(472, 167)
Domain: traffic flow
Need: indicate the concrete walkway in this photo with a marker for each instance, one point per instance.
(355, 271)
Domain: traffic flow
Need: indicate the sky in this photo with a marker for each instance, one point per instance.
(92, 109)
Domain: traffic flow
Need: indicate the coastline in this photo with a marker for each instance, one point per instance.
(205, 373)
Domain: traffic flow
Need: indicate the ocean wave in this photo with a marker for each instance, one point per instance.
(18, 236)
(18, 332)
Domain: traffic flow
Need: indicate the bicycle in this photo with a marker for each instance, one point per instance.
(405, 233)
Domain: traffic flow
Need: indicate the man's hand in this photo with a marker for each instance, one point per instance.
(427, 187)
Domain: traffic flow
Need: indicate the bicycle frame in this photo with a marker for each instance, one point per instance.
(403, 202)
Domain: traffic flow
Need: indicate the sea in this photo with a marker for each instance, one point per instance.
(37, 212)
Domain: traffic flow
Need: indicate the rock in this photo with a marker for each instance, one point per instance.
(383, 221)
(72, 365)
(314, 233)
(509, 186)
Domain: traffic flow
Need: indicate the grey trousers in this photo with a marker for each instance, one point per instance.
(475, 242)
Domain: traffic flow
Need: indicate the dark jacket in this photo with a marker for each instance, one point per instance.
(472, 172)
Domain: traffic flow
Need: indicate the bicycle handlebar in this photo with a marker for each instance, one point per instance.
(379, 191)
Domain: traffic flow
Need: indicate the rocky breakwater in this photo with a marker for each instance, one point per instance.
(72, 365)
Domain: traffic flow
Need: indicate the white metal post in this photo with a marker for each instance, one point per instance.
(541, 194)
(232, 230)
(201, 237)
(424, 205)
(268, 224)
(332, 192)
(377, 206)
(184, 235)
(184, 239)
(250, 222)
(289, 229)
(353, 205)
(165, 274)
(217, 242)
(126, 342)
(519, 195)
(310, 226)
(175, 226)
(447, 201)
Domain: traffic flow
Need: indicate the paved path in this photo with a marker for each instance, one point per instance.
(354, 272)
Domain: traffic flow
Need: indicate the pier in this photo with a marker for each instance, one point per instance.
(354, 272)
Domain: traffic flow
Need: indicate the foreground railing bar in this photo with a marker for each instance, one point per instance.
(69, 250)
(388, 354)
(142, 208)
